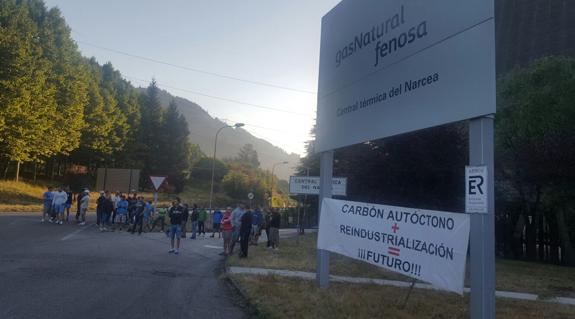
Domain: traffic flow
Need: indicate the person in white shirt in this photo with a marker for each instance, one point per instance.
(84, 203)
(59, 204)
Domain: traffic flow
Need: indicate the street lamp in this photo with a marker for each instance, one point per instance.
(272, 191)
(214, 158)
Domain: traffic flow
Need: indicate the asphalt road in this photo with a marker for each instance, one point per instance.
(69, 271)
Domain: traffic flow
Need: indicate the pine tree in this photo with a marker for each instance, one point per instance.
(174, 149)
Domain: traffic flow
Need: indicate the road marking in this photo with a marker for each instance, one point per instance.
(69, 236)
(213, 247)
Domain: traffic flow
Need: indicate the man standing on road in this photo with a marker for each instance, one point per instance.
(227, 230)
(194, 218)
(176, 215)
(185, 216)
(84, 203)
(202, 217)
(245, 231)
(275, 229)
(59, 204)
(216, 221)
(236, 224)
(139, 215)
(257, 219)
(100, 208)
(48, 196)
(122, 211)
(68, 204)
(107, 209)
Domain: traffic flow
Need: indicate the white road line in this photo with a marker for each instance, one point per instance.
(74, 233)
(213, 247)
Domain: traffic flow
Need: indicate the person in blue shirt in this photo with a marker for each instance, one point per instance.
(148, 211)
(48, 196)
(216, 221)
(122, 211)
(257, 220)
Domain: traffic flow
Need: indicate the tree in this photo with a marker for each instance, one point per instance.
(236, 184)
(174, 147)
(535, 148)
(248, 156)
(25, 99)
(150, 138)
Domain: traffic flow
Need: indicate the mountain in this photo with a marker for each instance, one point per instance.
(203, 129)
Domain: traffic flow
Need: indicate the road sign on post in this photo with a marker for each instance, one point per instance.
(309, 185)
(389, 67)
(157, 181)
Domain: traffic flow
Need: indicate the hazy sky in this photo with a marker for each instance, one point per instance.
(270, 41)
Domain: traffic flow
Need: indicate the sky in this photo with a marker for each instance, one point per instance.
(272, 42)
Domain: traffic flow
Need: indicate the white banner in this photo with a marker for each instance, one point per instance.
(309, 185)
(427, 245)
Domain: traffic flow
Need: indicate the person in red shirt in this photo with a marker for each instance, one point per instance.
(227, 230)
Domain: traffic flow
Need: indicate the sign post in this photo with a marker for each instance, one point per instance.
(250, 197)
(157, 181)
(482, 237)
(326, 176)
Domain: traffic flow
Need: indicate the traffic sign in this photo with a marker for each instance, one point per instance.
(157, 181)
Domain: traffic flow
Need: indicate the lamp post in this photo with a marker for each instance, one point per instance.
(272, 186)
(214, 158)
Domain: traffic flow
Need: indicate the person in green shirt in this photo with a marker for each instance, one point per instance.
(202, 217)
(159, 218)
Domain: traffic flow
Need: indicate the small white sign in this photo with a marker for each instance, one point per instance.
(423, 244)
(250, 196)
(157, 181)
(476, 189)
(309, 185)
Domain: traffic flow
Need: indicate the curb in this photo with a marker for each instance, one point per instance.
(394, 283)
(251, 309)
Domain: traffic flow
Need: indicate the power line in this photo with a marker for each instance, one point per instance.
(221, 98)
(197, 70)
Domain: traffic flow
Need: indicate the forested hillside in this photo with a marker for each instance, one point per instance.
(62, 112)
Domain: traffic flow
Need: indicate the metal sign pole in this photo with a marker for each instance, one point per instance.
(482, 235)
(325, 191)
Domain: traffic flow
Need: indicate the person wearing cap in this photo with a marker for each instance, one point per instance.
(84, 203)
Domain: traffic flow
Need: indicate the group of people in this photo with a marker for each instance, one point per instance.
(57, 204)
(117, 210)
(241, 224)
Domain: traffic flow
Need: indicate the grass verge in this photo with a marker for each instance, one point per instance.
(299, 253)
(280, 298)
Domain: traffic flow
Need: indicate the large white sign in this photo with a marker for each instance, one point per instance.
(476, 189)
(427, 245)
(393, 66)
(309, 185)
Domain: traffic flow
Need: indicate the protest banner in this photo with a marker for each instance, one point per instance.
(427, 245)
